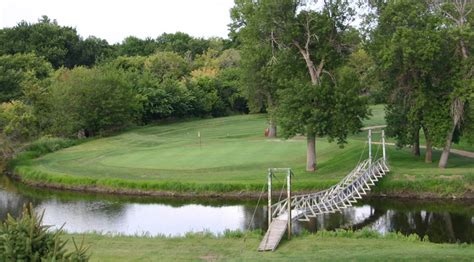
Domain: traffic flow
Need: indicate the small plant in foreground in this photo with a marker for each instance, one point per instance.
(26, 239)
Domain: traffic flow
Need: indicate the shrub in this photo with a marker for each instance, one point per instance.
(26, 239)
(49, 144)
(95, 101)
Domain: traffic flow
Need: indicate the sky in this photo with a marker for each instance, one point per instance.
(114, 20)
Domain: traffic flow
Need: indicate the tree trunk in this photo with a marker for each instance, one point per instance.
(416, 144)
(272, 129)
(429, 147)
(443, 161)
(311, 153)
(429, 151)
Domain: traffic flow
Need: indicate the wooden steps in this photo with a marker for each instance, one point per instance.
(275, 232)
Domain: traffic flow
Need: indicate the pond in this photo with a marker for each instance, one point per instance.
(441, 221)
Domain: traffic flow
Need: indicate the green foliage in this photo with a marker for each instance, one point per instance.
(49, 144)
(94, 100)
(205, 96)
(418, 52)
(367, 233)
(231, 91)
(19, 70)
(167, 90)
(17, 121)
(259, 85)
(182, 44)
(134, 46)
(332, 110)
(59, 45)
(365, 67)
(26, 239)
(92, 51)
(129, 63)
(166, 65)
(169, 98)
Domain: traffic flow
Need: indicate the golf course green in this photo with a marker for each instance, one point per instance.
(229, 154)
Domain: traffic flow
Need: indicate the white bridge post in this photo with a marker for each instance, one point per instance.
(370, 147)
(269, 197)
(383, 146)
(288, 188)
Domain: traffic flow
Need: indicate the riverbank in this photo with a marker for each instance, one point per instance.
(335, 246)
(232, 195)
(228, 161)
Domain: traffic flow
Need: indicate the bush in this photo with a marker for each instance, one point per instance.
(26, 239)
(49, 144)
(95, 101)
(17, 121)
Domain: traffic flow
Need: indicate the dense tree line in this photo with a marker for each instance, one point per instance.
(53, 82)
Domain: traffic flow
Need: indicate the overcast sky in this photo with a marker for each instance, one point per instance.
(114, 20)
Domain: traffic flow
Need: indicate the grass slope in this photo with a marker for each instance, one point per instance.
(319, 247)
(233, 155)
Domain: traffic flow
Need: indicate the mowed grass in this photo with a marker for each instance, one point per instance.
(318, 247)
(232, 154)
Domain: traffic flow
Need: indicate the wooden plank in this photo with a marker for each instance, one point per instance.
(274, 235)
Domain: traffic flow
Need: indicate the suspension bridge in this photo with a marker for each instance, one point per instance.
(334, 199)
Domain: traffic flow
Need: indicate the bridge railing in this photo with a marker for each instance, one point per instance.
(339, 196)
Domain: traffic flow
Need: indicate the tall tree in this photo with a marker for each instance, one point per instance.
(182, 44)
(414, 59)
(308, 42)
(257, 65)
(460, 21)
(134, 46)
(92, 50)
(58, 44)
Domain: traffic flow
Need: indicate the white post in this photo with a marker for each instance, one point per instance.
(370, 147)
(288, 188)
(383, 145)
(269, 197)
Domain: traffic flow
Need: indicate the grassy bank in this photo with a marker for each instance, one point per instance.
(232, 155)
(335, 246)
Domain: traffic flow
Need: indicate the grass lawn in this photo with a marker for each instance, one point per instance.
(302, 248)
(233, 155)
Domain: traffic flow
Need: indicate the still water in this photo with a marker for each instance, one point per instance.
(440, 221)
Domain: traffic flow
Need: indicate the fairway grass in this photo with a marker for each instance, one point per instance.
(232, 155)
(323, 246)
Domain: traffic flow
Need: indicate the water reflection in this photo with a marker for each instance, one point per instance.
(441, 222)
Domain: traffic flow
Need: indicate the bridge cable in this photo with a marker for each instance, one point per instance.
(377, 152)
(282, 188)
(362, 153)
(256, 207)
(253, 215)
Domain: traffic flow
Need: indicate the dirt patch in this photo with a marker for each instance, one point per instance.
(453, 177)
(209, 258)
(410, 178)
